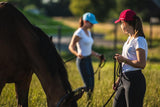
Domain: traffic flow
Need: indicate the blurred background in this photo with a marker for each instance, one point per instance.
(59, 19)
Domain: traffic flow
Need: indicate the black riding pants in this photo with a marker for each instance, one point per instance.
(131, 91)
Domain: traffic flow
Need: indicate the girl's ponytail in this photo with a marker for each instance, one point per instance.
(81, 22)
(138, 27)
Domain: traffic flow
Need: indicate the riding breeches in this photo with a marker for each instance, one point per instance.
(131, 91)
(85, 68)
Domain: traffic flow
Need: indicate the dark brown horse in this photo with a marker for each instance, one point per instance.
(25, 49)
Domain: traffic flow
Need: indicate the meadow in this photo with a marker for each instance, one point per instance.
(103, 87)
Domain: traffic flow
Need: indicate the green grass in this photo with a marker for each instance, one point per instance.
(103, 88)
(48, 25)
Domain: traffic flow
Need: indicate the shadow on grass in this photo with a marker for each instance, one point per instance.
(154, 44)
(154, 59)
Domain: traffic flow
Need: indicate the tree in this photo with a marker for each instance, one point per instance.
(78, 7)
(22, 3)
(100, 8)
(139, 6)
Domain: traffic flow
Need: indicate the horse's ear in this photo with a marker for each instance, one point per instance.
(50, 38)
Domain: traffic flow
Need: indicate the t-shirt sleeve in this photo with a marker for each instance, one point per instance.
(140, 43)
(78, 33)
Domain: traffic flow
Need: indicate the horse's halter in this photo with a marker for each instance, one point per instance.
(77, 92)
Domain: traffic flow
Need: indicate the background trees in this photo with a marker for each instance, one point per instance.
(99, 7)
(103, 9)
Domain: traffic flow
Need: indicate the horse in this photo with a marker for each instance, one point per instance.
(27, 50)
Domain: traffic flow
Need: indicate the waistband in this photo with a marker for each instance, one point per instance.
(84, 57)
(87, 56)
(132, 72)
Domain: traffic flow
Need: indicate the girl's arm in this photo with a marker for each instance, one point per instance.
(139, 63)
(96, 54)
(72, 45)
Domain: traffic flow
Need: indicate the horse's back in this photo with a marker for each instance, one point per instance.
(14, 58)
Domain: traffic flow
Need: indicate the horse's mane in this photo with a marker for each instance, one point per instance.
(49, 52)
(14, 23)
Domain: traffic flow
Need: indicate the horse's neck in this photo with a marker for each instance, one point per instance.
(52, 85)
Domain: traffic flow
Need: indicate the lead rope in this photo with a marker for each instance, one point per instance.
(100, 66)
(118, 73)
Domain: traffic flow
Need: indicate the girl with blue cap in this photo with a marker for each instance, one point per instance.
(81, 46)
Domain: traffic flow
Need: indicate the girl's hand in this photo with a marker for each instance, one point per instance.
(80, 56)
(119, 58)
(100, 57)
(115, 86)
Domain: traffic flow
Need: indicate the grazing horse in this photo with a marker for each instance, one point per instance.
(27, 50)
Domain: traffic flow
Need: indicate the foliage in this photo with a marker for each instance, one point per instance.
(135, 5)
(99, 7)
(109, 9)
(47, 24)
(103, 9)
(22, 3)
(78, 7)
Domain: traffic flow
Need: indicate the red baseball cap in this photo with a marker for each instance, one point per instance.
(126, 15)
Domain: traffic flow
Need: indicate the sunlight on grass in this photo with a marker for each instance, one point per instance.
(103, 87)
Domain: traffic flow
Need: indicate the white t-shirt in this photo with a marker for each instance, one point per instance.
(84, 46)
(129, 51)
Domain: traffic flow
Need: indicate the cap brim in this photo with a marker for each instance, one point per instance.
(117, 21)
(94, 22)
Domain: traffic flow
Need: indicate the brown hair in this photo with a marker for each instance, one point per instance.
(81, 22)
(137, 26)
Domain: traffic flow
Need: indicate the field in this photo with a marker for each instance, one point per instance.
(103, 87)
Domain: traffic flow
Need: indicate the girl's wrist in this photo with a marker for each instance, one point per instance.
(125, 61)
(97, 55)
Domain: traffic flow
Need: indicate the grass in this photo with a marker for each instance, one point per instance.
(48, 25)
(103, 88)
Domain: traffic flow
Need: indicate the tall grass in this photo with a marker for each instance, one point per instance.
(103, 87)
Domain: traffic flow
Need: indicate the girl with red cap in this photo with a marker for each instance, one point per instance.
(132, 87)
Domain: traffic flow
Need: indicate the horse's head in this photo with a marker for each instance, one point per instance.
(70, 98)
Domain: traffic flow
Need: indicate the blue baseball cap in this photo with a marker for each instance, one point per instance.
(90, 17)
